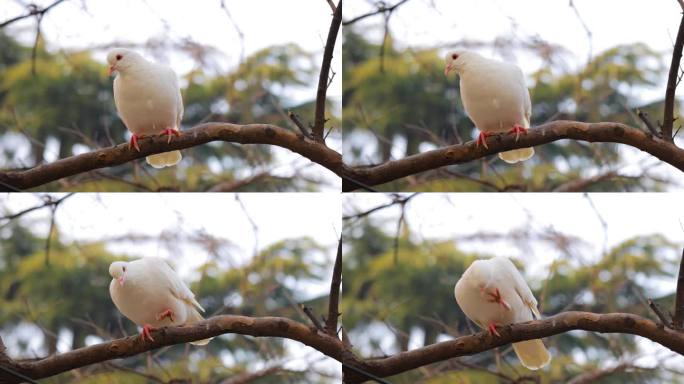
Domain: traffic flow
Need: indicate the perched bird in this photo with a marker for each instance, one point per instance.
(492, 292)
(148, 99)
(150, 293)
(495, 98)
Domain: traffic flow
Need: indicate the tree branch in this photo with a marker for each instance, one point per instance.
(33, 11)
(381, 9)
(334, 298)
(543, 134)
(201, 134)
(483, 341)
(678, 318)
(668, 114)
(131, 346)
(319, 120)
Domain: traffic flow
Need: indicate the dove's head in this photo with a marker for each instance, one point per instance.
(456, 61)
(118, 271)
(121, 60)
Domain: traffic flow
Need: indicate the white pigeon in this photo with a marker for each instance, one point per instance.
(492, 292)
(148, 99)
(150, 293)
(494, 97)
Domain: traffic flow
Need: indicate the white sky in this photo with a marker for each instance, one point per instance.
(263, 23)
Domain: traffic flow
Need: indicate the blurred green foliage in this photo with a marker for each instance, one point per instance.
(401, 103)
(391, 299)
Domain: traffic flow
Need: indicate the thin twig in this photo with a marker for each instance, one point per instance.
(295, 119)
(656, 309)
(33, 11)
(334, 298)
(333, 8)
(647, 120)
(319, 120)
(678, 319)
(381, 9)
(309, 313)
(668, 114)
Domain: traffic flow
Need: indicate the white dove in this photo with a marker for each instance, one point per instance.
(494, 97)
(492, 292)
(150, 293)
(148, 99)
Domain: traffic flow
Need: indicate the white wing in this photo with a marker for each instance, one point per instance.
(175, 284)
(506, 267)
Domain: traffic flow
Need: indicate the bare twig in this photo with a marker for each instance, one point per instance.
(656, 309)
(334, 297)
(647, 120)
(332, 5)
(668, 114)
(381, 9)
(309, 313)
(33, 11)
(295, 119)
(319, 120)
(678, 319)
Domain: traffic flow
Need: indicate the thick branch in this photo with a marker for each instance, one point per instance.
(668, 115)
(334, 298)
(201, 134)
(131, 346)
(483, 341)
(543, 134)
(678, 319)
(319, 120)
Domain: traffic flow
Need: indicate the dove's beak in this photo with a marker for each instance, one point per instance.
(449, 67)
(121, 280)
(111, 70)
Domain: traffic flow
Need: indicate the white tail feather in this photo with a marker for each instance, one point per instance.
(165, 159)
(193, 317)
(532, 354)
(516, 155)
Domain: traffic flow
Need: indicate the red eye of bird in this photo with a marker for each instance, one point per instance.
(454, 56)
(118, 57)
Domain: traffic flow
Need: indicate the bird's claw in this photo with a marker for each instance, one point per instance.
(134, 142)
(169, 132)
(167, 313)
(496, 298)
(518, 129)
(482, 139)
(145, 334)
(491, 328)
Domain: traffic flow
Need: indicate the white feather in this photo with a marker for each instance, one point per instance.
(500, 273)
(150, 287)
(148, 99)
(495, 98)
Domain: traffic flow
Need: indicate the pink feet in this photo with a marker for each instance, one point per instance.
(482, 139)
(145, 334)
(134, 142)
(170, 131)
(491, 328)
(167, 313)
(496, 298)
(518, 129)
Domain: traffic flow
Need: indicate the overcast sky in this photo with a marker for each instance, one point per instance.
(87, 23)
